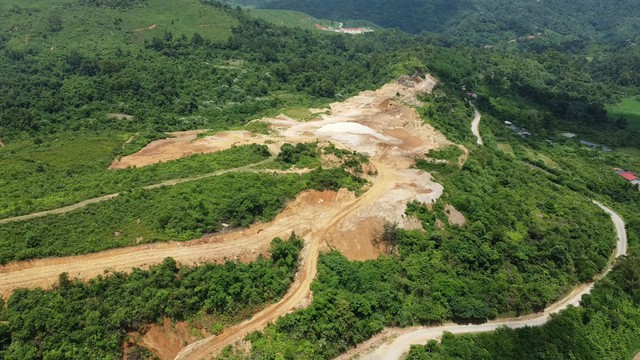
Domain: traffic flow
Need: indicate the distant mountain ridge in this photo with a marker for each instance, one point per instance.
(479, 21)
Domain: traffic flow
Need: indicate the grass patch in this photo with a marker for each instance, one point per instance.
(290, 18)
(628, 108)
(536, 157)
(181, 17)
(506, 149)
(301, 114)
(634, 154)
(68, 168)
(82, 27)
(450, 153)
(181, 212)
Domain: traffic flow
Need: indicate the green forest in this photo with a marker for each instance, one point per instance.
(181, 212)
(606, 326)
(85, 82)
(529, 238)
(482, 22)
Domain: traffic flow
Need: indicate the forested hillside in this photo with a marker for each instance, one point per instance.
(484, 22)
(77, 320)
(210, 66)
(606, 327)
(86, 82)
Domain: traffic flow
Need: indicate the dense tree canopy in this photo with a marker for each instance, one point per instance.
(481, 22)
(91, 320)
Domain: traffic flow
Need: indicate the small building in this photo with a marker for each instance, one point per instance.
(629, 176)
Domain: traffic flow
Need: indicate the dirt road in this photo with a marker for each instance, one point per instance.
(475, 125)
(300, 291)
(61, 210)
(393, 343)
(246, 244)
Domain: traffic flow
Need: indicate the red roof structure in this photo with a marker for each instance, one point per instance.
(629, 175)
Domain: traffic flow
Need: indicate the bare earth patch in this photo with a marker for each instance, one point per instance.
(382, 125)
(187, 143)
(151, 27)
(455, 216)
(166, 340)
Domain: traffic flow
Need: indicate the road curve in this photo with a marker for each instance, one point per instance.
(475, 125)
(396, 342)
(300, 291)
(171, 182)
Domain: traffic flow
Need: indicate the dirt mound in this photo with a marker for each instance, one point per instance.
(166, 340)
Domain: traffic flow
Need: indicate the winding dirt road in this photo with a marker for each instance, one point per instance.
(475, 125)
(393, 343)
(299, 294)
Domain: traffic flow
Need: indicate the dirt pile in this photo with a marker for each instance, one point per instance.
(455, 217)
(166, 340)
